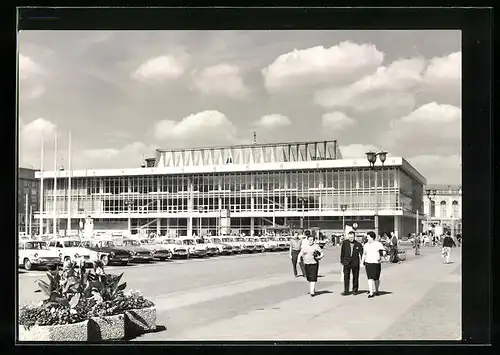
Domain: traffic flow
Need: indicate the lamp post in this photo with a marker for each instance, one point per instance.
(129, 204)
(416, 223)
(343, 209)
(431, 195)
(302, 200)
(372, 159)
(200, 210)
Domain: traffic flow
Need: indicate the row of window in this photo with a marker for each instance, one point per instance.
(443, 209)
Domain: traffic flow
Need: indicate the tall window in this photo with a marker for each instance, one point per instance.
(455, 209)
(443, 209)
(433, 208)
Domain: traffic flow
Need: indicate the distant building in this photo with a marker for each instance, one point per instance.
(445, 208)
(30, 186)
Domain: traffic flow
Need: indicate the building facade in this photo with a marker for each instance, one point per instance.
(244, 188)
(28, 196)
(445, 208)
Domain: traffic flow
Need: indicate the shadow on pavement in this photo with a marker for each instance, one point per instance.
(383, 293)
(322, 292)
(360, 292)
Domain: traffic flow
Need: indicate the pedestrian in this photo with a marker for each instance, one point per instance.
(394, 249)
(448, 243)
(416, 244)
(350, 255)
(310, 254)
(295, 247)
(371, 259)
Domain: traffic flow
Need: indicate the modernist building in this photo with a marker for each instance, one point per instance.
(245, 188)
(28, 194)
(444, 208)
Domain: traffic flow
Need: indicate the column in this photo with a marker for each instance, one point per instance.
(158, 226)
(397, 225)
(252, 226)
(190, 226)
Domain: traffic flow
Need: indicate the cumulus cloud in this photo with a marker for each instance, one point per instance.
(202, 128)
(160, 68)
(438, 169)
(274, 120)
(337, 121)
(27, 67)
(30, 138)
(443, 80)
(128, 156)
(430, 129)
(389, 90)
(221, 79)
(357, 151)
(345, 62)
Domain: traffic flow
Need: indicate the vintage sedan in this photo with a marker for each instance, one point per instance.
(160, 252)
(268, 244)
(236, 245)
(70, 249)
(212, 249)
(36, 253)
(283, 243)
(224, 248)
(246, 246)
(109, 252)
(137, 252)
(258, 246)
(175, 246)
(198, 250)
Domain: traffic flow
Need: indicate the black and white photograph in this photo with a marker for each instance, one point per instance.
(239, 185)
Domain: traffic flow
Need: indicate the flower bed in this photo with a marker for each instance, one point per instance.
(83, 305)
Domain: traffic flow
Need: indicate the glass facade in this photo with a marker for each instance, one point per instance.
(308, 190)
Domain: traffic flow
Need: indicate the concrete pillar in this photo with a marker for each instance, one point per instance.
(397, 225)
(220, 203)
(158, 226)
(190, 226)
(252, 226)
(286, 203)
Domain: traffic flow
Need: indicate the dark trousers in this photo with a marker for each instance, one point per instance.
(295, 254)
(347, 276)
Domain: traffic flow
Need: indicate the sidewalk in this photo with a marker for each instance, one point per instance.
(330, 316)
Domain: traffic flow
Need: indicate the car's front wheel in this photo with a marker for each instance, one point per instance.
(27, 264)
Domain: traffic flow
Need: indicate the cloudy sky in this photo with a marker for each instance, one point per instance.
(125, 93)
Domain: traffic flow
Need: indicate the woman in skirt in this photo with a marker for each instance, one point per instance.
(311, 253)
(372, 254)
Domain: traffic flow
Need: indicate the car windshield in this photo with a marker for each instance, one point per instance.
(216, 240)
(263, 239)
(272, 239)
(86, 244)
(107, 244)
(200, 241)
(239, 239)
(147, 241)
(133, 243)
(71, 243)
(188, 242)
(36, 245)
(282, 239)
(173, 241)
(226, 240)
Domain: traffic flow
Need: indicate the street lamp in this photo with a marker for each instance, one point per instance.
(302, 200)
(372, 159)
(200, 210)
(431, 195)
(343, 208)
(129, 204)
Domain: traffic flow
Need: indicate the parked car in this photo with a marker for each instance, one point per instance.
(36, 253)
(212, 249)
(258, 246)
(70, 249)
(160, 252)
(245, 245)
(269, 245)
(110, 253)
(198, 250)
(176, 247)
(224, 248)
(283, 243)
(236, 248)
(137, 252)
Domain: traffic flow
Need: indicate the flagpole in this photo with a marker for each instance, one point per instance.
(54, 219)
(69, 185)
(40, 226)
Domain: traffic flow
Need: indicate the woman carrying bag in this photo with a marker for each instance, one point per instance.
(311, 253)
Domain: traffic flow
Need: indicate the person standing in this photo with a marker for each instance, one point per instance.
(350, 255)
(295, 246)
(310, 254)
(416, 244)
(372, 255)
(448, 243)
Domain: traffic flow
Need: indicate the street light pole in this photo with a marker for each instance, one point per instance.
(343, 208)
(301, 199)
(200, 210)
(129, 203)
(431, 194)
(372, 159)
(26, 213)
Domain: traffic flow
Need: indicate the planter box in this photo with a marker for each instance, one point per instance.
(56, 333)
(107, 328)
(139, 321)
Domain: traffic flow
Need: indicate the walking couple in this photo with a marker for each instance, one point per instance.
(353, 254)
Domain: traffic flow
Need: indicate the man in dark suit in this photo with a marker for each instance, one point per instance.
(351, 252)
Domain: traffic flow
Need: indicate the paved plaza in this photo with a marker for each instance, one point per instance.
(255, 297)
